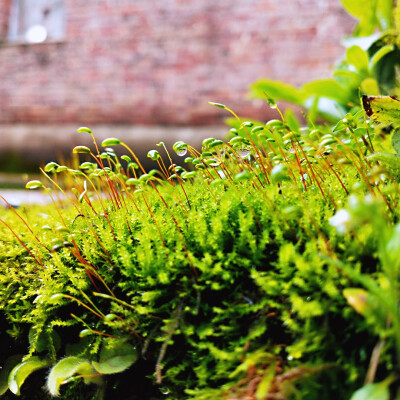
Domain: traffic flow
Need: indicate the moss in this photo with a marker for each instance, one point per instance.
(221, 280)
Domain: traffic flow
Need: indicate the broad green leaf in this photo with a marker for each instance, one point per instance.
(351, 78)
(264, 88)
(292, 120)
(115, 356)
(329, 109)
(391, 252)
(328, 88)
(384, 13)
(396, 141)
(372, 391)
(391, 161)
(65, 369)
(74, 349)
(8, 365)
(22, 370)
(381, 53)
(357, 8)
(364, 10)
(356, 56)
(367, 23)
(383, 109)
(370, 86)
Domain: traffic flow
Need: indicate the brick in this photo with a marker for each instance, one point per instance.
(158, 62)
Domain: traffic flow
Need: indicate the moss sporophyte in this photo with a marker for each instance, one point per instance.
(238, 273)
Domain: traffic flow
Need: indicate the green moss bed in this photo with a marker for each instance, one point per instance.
(264, 267)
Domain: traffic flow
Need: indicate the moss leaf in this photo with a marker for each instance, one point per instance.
(66, 368)
(116, 357)
(22, 370)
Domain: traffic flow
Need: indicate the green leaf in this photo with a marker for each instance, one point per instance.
(22, 370)
(372, 391)
(356, 8)
(396, 141)
(66, 368)
(356, 56)
(381, 53)
(383, 109)
(351, 78)
(364, 10)
(292, 120)
(391, 161)
(264, 88)
(110, 142)
(328, 88)
(370, 86)
(73, 349)
(115, 356)
(8, 365)
(384, 13)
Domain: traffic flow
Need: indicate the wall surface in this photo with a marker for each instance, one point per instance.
(158, 62)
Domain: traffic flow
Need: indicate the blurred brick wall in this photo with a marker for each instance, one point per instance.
(5, 6)
(160, 61)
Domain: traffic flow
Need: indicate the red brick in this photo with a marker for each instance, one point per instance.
(159, 62)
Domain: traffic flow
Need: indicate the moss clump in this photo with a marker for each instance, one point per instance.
(224, 280)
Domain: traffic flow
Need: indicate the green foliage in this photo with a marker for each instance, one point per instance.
(115, 357)
(376, 391)
(22, 370)
(385, 111)
(370, 65)
(65, 369)
(206, 279)
(264, 267)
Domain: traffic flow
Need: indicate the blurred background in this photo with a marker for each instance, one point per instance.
(144, 70)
